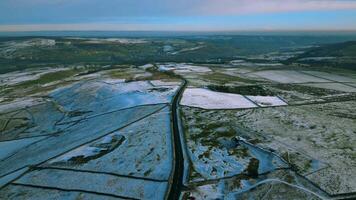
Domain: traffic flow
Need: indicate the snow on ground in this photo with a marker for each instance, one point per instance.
(142, 75)
(103, 96)
(234, 71)
(267, 101)
(209, 191)
(317, 58)
(146, 150)
(96, 182)
(12, 176)
(229, 158)
(168, 48)
(333, 86)
(288, 76)
(10, 147)
(207, 99)
(329, 76)
(10, 192)
(253, 64)
(318, 131)
(280, 184)
(19, 104)
(186, 49)
(9, 48)
(17, 77)
(352, 84)
(87, 152)
(112, 40)
(183, 68)
(33, 121)
(146, 66)
(164, 83)
(73, 135)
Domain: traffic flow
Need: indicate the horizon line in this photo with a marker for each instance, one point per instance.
(181, 31)
(160, 28)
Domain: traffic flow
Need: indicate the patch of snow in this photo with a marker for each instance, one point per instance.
(237, 62)
(142, 75)
(105, 144)
(317, 58)
(113, 81)
(19, 104)
(210, 191)
(167, 48)
(251, 64)
(112, 40)
(9, 48)
(183, 68)
(94, 75)
(164, 68)
(164, 83)
(146, 66)
(186, 49)
(17, 77)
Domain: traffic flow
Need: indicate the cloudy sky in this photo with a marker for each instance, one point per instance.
(177, 15)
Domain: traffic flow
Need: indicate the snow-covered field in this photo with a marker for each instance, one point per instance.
(333, 86)
(96, 182)
(143, 149)
(288, 76)
(102, 125)
(71, 134)
(330, 76)
(107, 95)
(207, 99)
(10, 147)
(244, 63)
(11, 193)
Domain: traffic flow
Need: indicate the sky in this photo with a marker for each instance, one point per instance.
(178, 15)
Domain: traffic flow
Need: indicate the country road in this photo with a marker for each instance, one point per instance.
(178, 168)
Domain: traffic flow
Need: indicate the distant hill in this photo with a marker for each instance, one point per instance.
(340, 50)
(18, 53)
(335, 55)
